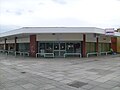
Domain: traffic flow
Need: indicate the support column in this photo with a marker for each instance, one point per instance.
(15, 44)
(33, 45)
(97, 44)
(5, 45)
(114, 44)
(84, 46)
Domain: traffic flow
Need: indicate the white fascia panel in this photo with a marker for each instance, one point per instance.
(2, 41)
(117, 34)
(100, 31)
(34, 30)
(59, 30)
(9, 33)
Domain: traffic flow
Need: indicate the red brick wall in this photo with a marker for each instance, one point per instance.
(5, 44)
(97, 43)
(33, 45)
(15, 44)
(84, 46)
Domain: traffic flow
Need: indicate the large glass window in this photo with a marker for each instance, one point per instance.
(45, 47)
(69, 47)
(77, 47)
(11, 47)
(1, 46)
(41, 48)
(73, 47)
(24, 47)
(59, 48)
(62, 46)
(90, 47)
(56, 46)
(104, 47)
(49, 48)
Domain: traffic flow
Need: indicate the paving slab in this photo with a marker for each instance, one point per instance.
(95, 73)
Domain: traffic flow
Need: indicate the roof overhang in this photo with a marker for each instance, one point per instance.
(38, 30)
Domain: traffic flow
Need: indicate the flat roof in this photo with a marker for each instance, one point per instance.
(38, 30)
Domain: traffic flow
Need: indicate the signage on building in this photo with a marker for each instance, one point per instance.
(109, 31)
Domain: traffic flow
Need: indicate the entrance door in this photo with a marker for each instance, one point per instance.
(59, 49)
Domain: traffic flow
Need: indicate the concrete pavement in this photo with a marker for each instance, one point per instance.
(24, 73)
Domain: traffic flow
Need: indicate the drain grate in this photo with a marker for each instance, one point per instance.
(23, 72)
(77, 84)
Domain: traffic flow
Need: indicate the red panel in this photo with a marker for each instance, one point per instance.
(33, 45)
(5, 44)
(97, 43)
(84, 46)
(15, 43)
(114, 43)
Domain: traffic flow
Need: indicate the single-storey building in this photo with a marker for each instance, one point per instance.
(118, 42)
(57, 41)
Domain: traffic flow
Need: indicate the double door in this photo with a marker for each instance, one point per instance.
(59, 49)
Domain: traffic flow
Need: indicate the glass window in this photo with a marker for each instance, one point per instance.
(104, 46)
(90, 47)
(77, 47)
(69, 47)
(56, 46)
(23, 47)
(1, 46)
(62, 46)
(49, 48)
(42, 47)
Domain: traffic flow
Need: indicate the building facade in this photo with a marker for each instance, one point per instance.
(118, 42)
(57, 41)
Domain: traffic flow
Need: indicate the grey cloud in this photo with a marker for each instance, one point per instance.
(60, 1)
(18, 11)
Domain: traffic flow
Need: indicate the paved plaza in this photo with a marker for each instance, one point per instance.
(94, 73)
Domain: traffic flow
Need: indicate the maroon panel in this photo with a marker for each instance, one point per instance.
(15, 44)
(97, 44)
(5, 45)
(33, 45)
(84, 46)
(114, 43)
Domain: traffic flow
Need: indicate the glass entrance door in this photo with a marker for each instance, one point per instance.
(56, 49)
(59, 49)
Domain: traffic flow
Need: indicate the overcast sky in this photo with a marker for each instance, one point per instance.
(92, 13)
